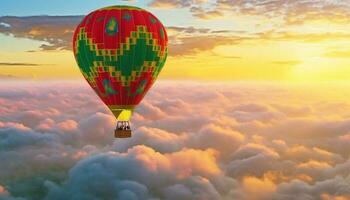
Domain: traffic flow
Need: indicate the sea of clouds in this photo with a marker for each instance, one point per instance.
(191, 141)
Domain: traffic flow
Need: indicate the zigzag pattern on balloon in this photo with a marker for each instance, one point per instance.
(111, 61)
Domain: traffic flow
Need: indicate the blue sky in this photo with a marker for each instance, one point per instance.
(83, 7)
(56, 7)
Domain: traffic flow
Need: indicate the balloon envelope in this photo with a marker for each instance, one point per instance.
(120, 51)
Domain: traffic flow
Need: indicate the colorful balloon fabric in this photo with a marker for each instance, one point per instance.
(120, 51)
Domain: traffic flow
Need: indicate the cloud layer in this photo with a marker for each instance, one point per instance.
(219, 141)
(56, 34)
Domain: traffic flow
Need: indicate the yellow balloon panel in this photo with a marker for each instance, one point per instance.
(122, 114)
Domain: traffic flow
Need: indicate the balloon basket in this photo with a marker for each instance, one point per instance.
(122, 130)
(122, 133)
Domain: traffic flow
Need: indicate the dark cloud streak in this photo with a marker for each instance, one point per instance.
(56, 31)
(19, 64)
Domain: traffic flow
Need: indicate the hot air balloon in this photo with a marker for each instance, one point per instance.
(120, 51)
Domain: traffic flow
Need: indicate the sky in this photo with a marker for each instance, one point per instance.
(252, 104)
(299, 41)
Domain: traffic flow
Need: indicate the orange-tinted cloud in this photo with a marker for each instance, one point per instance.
(258, 188)
(174, 3)
(206, 14)
(183, 46)
(292, 12)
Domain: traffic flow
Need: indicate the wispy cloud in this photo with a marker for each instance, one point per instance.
(7, 76)
(190, 29)
(191, 45)
(292, 12)
(206, 14)
(275, 35)
(337, 54)
(287, 62)
(19, 64)
(174, 4)
(55, 30)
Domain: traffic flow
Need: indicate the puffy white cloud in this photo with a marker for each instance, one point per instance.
(158, 139)
(258, 188)
(302, 153)
(246, 159)
(140, 173)
(296, 189)
(97, 129)
(225, 140)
